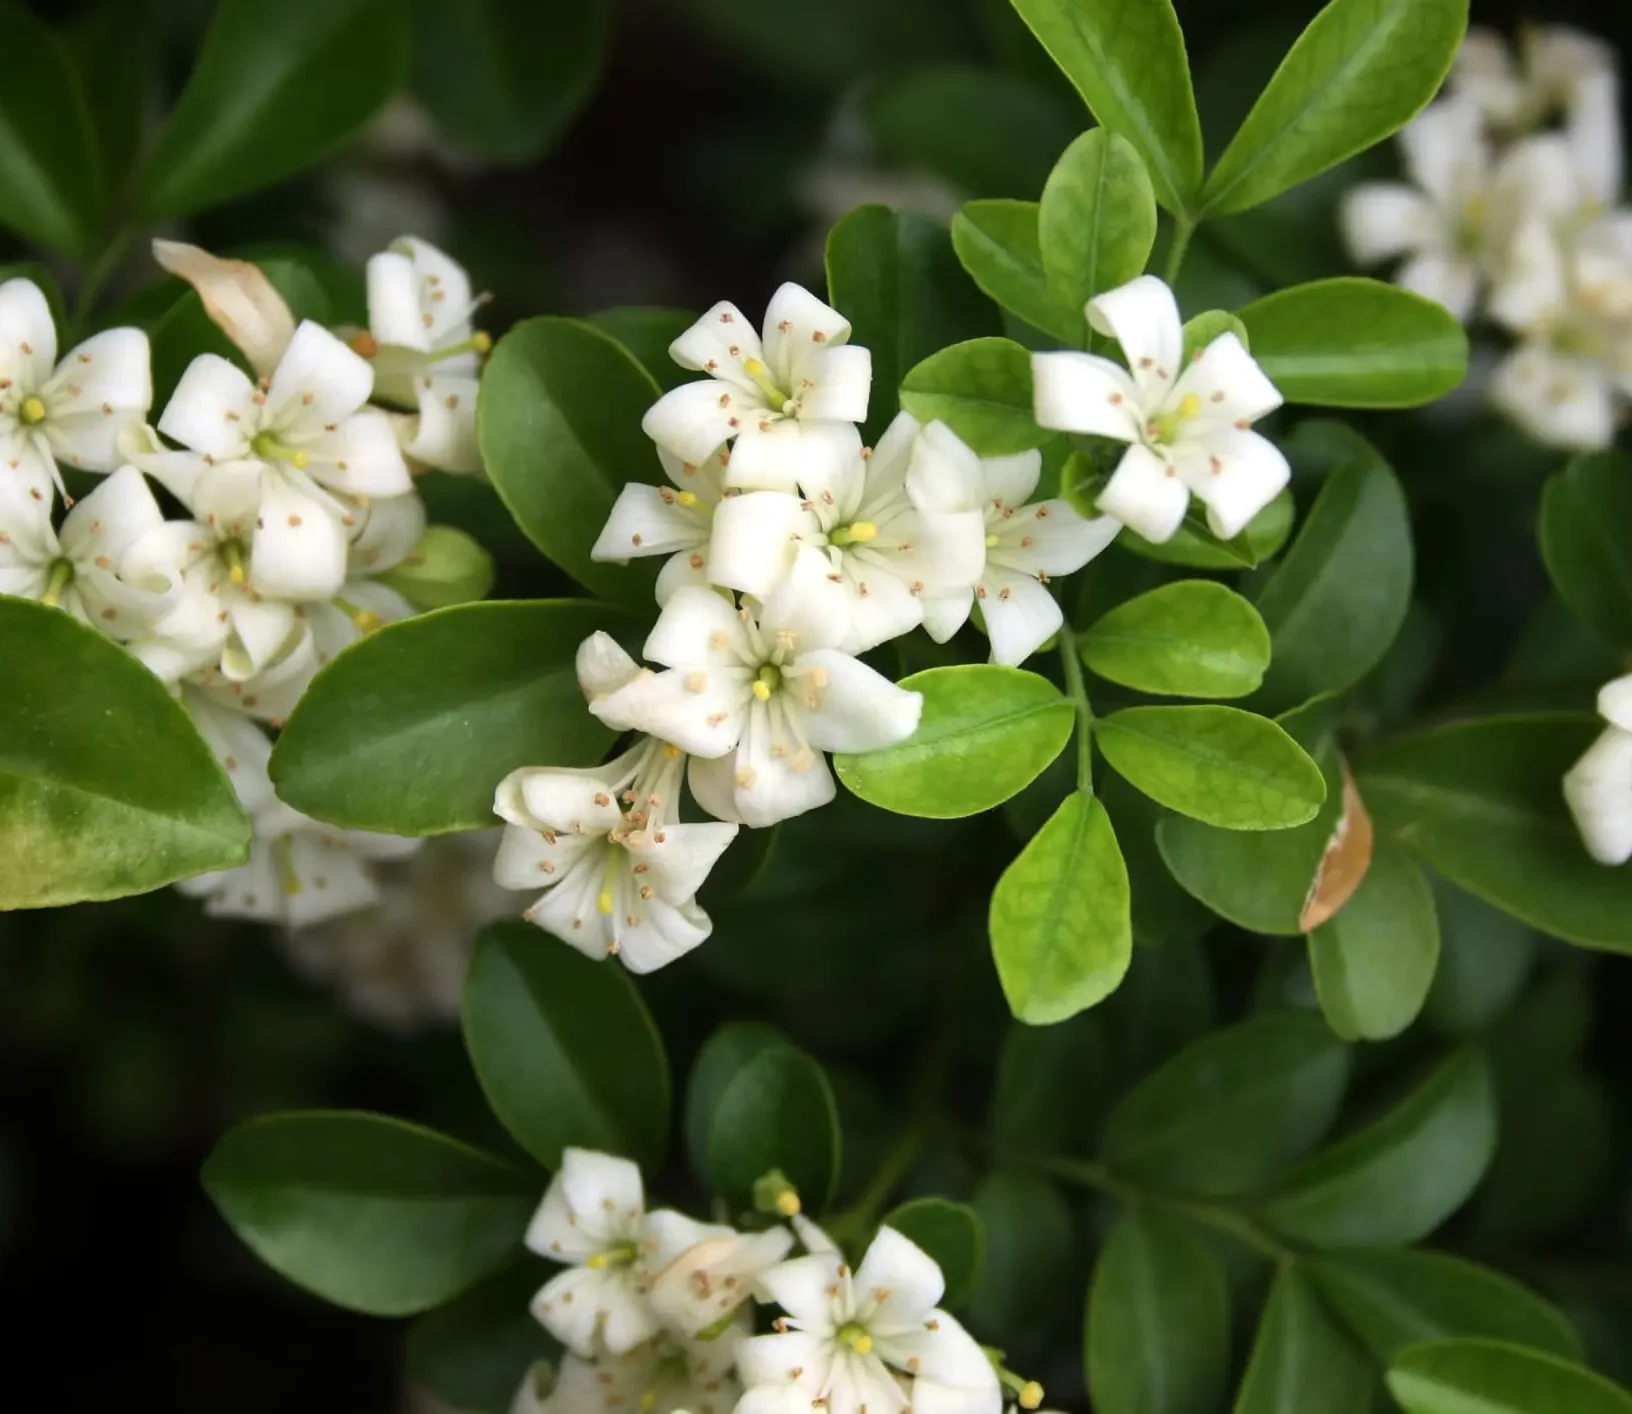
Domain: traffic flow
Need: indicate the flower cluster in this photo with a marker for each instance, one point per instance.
(790, 549)
(1511, 209)
(655, 1311)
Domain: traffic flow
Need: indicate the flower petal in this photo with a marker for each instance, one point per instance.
(782, 455)
(1598, 790)
(1531, 289)
(1049, 537)
(1011, 480)
(299, 549)
(698, 628)
(103, 384)
(1448, 280)
(800, 1286)
(212, 409)
(661, 933)
(1228, 387)
(527, 859)
(238, 298)
(881, 605)
(1081, 392)
(239, 744)
(1235, 474)
(692, 420)
(943, 472)
(767, 1362)
(603, 665)
(946, 613)
(836, 385)
(776, 776)
(902, 1279)
(104, 525)
(1143, 317)
(318, 381)
(1020, 614)
(445, 433)
(1615, 702)
(567, 1308)
(361, 457)
(799, 326)
(700, 709)
(679, 862)
(719, 344)
(1146, 493)
(856, 708)
(28, 335)
(395, 310)
(392, 527)
(327, 881)
(1381, 220)
(686, 568)
(1444, 150)
(754, 539)
(648, 520)
(1558, 400)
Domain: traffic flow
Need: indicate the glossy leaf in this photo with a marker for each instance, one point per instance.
(1582, 510)
(1357, 343)
(1192, 638)
(895, 277)
(106, 787)
(999, 245)
(1302, 1360)
(565, 1050)
(1128, 62)
(1030, 1243)
(1232, 1109)
(1492, 1377)
(1158, 1320)
(1396, 1180)
(474, 1351)
(1096, 222)
(981, 389)
(1218, 764)
(1051, 1086)
(725, 1053)
(987, 731)
(278, 85)
(1060, 928)
(371, 1213)
(559, 427)
(777, 1113)
(646, 333)
(410, 730)
(1357, 74)
(951, 1234)
(1194, 546)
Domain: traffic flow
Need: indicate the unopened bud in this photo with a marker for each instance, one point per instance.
(446, 567)
(775, 1193)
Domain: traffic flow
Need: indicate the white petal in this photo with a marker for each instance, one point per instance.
(28, 336)
(946, 613)
(713, 782)
(602, 1189)
(1594, 135)
(947, 1355)
(177, 472)
(361, 457)
(105, 524)
(776, 776)
(572, 802)
(626, 1318)
(395, 311)
(765, 1360)
(698, 628)
(1227, 385)
(259, 629)
(661, 933)
(754, 538)
(1444, 150)
(1449, 280)
(318, 364)
(1560, 401)
(1049, 537)
(1020, 614)
(103, 384)
(678, 864)
(392, 527)
(1381, 220)
(943, 550)
(1011, 480)
(570, 910)
(800, 1287)
(1080, 392)
(699, 709)
(665, 1235)
(836, 385)
(445, 434)
(1143, 317)
(857, 709)
(692, 420)
(1147, 494)
(705, 478)
(238, 298)
(793, 319)
(567, 1307)
(327, 882)
(687, 568)
(1615, 702)
(648, 520)
(444, 292)
(241, 747)
(772, 455)
(943, 473)
(1235, 473)
(724, 338)
(1531, 289)
(1598, 790)
(898, 1266)
(529, 859)
(603, 665)
(891, 459)
(881, 604)
(212, 409)
(299, 549)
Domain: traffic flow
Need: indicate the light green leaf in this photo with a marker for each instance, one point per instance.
(1059, 922)
(646, 334)
(1359, 72)
(1583, 509)
(981, 389)
(278, 85)
(559, 425)
(1200, 330)
(1374, 961)
(1127, 60)
(1158, 1339)
(473, 693)
(987, 731)
(1491, 1377)
(998, 243)
(1096, 222)
(106, 787)
(1392, 1299)
(1192, 638)
(951, 1234)
(1337, 600)
(778, 1112)
(1480, 800)
(1030, 1245)
(1393, 1182)
(895, 277)
(1218, 764)
(474, 1351)
(1356, 343)
(565, 1050)
(503, 78)
(1232, 1109)
(371, 1213)
(1302, 1361)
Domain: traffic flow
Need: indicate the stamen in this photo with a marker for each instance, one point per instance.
(762, 378)
(62, 575)
(856, 533)
(481, 342)
(32, 411)
(268, 448)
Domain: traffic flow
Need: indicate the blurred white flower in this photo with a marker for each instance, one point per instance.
(666, 1375)
(1598, 788)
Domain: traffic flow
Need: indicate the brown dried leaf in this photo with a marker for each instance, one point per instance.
(238, 297)
(1344, 864)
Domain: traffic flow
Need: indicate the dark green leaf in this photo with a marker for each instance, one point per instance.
(1052, 1084)
(998, 243)
(1302, 1361)
(114, 48)
(410, 730)
(564, 1048)
(1484, 958)
(1193, 638)
(981, 389)
(951, 1234)
(1029, 1248)
(106, 788)
(647, 333)
(1163, 912)
(1491, 1377)
(778, 1112)
(1591, 565)
(1197, 547)
(474, 1351)
(724, 1054)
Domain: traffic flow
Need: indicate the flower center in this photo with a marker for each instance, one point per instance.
(858, 532)
(32, 412)
(766, 681)
(233, 555)
(856, 1337)
(62, 575)
(1163, 429)
(773, 395)
(619, 1254)
(670, 1371)
(269, 449)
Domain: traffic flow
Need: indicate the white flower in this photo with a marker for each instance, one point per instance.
(663, 1376)
(890, 528)
(71, 411)
(761, 697)
(1188, 427)
(846, 1334)
(425, 352)
(618, 874)
(594, 1219)
(787, 400)
(712, 1278)
(676, 520)
(1598, 788)
(267, 461)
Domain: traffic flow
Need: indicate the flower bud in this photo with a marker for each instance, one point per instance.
(446, 567)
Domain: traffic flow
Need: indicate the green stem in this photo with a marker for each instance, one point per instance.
(1077, 691)
(1183, 229)
(854, 1222)
(97, 276)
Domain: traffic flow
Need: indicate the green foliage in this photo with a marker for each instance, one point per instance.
(981, 389)
(1582, 509)
(1000, 245)
(473, 1351)
(1302, 1359)
(776, 1112)
(1193, 638)
(1447, 1377)
(951, 1234)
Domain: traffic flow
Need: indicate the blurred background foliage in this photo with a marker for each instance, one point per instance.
(576, 156)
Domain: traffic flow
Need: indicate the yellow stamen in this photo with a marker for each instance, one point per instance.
(1031, 1395)
(856, 533)
(365, 344)
(1190, 407)
(604, 905)
(788, 1204)
(688, 499)
(856, 1338)
(32, 411)
(268, 448)
(991, 540)
(232, 552)
(478, 343)
(762, 690)
(757, 371)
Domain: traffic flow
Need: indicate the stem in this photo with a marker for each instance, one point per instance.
(97, 276)
(1183, 229)
(1077, 690)
(860, 1215)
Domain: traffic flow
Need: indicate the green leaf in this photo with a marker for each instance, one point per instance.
(106, 787)
(1232, 1109)
(1163, 913)
(1484, 959)
(778, 1112)
(646, 333)
(986, 733)
(1481, 802)
(558, 421)
(1096, 223)
(1302, 1361)
(1202, 329)
(1061, 933)
(1193, 638)
(723, 1055)
(474, 1351)
(998, 243)
(1374, 961)
(565, 1050)
(1051, 1086)
(1491, 1377)
(371, 1213)
(278, 85)
(1127, 60)
(51, 177)
(1218, 764)
(1030, 1243)
(503, 78)
(1358, 73)
(1393, 1182)
(1582, 508)
(1158, 1339)
(1395, 1299)
(1193, 545)
(981, 389)
(410, 730)
(113, 46)
(895, 277)
(1357, 343)
(951, 1234)
(1340, 594)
